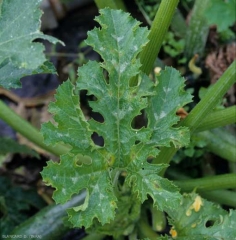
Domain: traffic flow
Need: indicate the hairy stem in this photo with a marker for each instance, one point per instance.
(146, 231)
(198, 29)
(223, 196)
(27, 130)
(210, 100)
(202, 109)
(157, 34)
(218, 118)
(221, 143)
(223, 181)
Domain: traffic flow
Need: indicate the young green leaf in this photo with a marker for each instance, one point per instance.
(19, 55)
(126, 149)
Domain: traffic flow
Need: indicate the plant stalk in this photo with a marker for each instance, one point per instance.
(223, 196)
(224, 181)
(218, 118)
(197, 31)
(146, 231)
(217, 144)
(28, 131)
(157, 34)
(210, 100)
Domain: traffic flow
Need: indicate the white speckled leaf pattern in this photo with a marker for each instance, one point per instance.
(126, 149)
(170, 96)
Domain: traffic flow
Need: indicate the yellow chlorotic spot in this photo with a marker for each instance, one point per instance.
(173, 233)
(193, 225)
(111, 161)
(197, 203)
(23, 65)
(188, 212)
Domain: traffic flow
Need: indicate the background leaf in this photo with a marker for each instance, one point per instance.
(224, 9)
(19, 55)
(10, 146)
(15, 205)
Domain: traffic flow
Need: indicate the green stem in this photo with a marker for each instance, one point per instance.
(218, 118)
(146, 231)
(218, 145)
(198, 29)
(210, 100)
(113, 4)
(156, 36)
(27, 130)
(225, 197)
(223, 181)
(165, 155)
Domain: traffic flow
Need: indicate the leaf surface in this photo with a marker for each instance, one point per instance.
(197, 218)
(126, 149)
(170, 96)
(19, 55)
(144, 179)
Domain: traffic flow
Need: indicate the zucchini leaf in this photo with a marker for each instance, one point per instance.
(198, 218)
(126, 149)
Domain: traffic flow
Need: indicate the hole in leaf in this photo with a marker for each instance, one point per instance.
(137, 142)
(106, 75)
(139, 121)
(84, 103)
(84, 97)
(85, 100)
(98, 140)
(209, 223)
(122, 177)
(97, 117)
